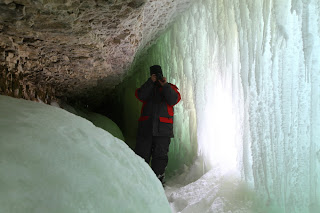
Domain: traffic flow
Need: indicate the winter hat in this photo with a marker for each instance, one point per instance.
(155, 69)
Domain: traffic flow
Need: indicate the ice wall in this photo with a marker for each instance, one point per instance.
(54, 161)
(249, 75)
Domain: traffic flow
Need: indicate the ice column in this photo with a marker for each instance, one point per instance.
(249, 75)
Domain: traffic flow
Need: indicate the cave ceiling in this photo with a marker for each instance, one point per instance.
(77, 46)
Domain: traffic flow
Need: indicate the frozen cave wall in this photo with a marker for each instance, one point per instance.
(249, 77)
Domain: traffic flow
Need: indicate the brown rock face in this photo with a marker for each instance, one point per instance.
(69, 48)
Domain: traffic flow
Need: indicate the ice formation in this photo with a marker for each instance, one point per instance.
(249, 76)
(54, 161)
(213, 192)
(97, 119)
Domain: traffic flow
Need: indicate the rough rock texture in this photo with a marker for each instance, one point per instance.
(51, 48)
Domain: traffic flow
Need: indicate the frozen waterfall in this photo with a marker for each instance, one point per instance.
(249, 75)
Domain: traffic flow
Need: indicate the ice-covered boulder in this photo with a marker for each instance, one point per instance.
(54, 161)
(97, 119)
(106, 124)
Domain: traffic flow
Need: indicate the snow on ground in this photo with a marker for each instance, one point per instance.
(213, 192)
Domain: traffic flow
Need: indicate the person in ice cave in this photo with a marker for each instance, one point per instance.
(155, 128)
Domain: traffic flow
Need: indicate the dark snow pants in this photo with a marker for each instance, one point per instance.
(157, 148)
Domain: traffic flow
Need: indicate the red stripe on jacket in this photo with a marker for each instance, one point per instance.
(166, 120)
(170, 107)
(175, 88)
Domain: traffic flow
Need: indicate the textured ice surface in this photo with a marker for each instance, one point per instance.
(97, 119)
(54, 161)
(249, 75)
(212, 193)
(106, 124)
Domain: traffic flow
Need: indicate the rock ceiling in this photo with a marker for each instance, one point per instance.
(69, 47)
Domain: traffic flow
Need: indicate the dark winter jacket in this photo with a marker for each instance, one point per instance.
(157, 109)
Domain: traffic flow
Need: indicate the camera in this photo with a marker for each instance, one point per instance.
(159, 76)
